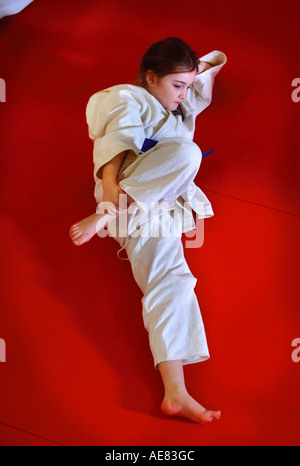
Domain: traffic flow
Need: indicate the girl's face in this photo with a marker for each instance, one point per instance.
(170, 90)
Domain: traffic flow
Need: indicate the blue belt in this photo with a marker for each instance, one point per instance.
(149, 143)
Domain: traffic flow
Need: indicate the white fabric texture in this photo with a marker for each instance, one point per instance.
(11, 7)
(119, 119)
(171, 312)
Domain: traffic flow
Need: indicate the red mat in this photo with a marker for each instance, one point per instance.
(79, 370)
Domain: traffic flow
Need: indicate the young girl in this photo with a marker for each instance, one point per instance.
(144, 150)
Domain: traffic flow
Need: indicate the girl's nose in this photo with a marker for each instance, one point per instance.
(183, 94)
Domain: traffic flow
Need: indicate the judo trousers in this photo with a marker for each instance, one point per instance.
(163, 173)
(171, 312)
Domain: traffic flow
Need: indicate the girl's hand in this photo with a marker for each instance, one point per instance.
(111, 193)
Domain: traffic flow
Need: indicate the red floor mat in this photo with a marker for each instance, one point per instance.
(79, 369)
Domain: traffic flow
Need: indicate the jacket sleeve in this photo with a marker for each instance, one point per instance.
(115, 125)
(201, 92)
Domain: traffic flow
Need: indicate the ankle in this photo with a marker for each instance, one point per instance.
(175, 392)
(173, 378)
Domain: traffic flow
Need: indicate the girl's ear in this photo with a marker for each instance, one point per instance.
(150, 78)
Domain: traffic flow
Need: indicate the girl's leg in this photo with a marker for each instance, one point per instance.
(177, 401)
(172, 318)
(161, 174)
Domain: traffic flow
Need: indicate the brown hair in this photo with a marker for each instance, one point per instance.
(167, 56)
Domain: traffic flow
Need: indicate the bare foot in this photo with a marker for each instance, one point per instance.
(180, 403)
(81, 232)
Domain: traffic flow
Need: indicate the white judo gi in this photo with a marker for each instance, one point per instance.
(120, 119)
(11, 7)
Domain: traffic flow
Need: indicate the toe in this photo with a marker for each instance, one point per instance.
(74, 228)
(75, 235)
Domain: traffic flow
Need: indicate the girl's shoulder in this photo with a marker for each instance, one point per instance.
(128, 96)
(123, 91)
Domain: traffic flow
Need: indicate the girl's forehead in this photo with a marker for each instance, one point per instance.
(187, 77)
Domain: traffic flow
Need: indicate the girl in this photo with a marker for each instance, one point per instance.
(144, 152)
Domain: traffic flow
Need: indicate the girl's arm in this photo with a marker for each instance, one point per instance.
(201, 91)
(111, 169)
(110, 185)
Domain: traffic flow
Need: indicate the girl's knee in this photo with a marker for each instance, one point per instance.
(194, 152)
(187, 152)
